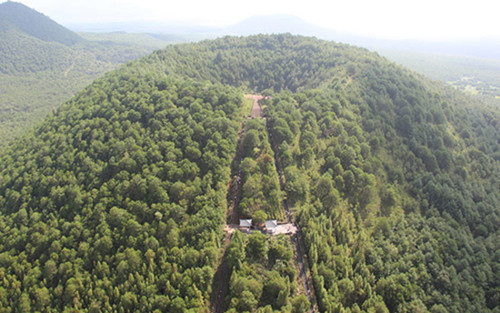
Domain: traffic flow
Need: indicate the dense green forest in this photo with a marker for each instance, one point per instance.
(132, 220)
(43, 64)
(407, 230)
(117, 201)
(148, 40)
(260, 186)
(263, 275)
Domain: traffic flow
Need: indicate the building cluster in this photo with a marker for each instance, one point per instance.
(271, 227)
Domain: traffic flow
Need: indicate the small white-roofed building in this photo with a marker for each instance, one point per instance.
(246, 223)
(271, 226)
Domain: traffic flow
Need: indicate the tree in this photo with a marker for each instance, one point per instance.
(236, 250)
(275, 290)
(42, 297)
(279, 251)
(250, 142)
(246, 302)
(259, 217)
(24, 304)
(300, 304)
(257, 246)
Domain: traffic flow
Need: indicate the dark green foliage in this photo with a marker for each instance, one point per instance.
(300, 304)
(260, 186)
(265, 278)
(281, 62)
(257, 246)
(354, 175)
(393, 180)
(108, 211)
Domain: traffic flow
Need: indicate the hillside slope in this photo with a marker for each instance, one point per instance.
(42, 64)
(132, 219)
(474, 76)
(117, 201)
(35, 24)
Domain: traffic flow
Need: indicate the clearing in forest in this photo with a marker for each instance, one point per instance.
(255, 192)
(256, 109)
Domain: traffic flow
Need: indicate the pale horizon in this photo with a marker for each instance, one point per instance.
(386, 19)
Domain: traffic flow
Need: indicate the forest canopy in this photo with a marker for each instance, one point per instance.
(117, 201)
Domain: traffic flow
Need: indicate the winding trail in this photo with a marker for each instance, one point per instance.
(70, 68)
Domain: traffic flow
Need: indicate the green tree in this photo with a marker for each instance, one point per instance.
(300, 304)
(257, 246)
(259, 217)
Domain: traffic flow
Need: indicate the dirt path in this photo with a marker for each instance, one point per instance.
(234, 188)
(220, 286)
(256, 109)
(70, 68)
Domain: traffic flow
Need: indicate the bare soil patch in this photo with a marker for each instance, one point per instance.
(256, 109)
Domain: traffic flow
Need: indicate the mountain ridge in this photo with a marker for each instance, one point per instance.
(276, 24)
(392, 178)
(36, 24)
(43, 64)
(269, 24)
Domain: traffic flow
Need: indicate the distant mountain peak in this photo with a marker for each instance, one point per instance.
(33, 23)
(278, 23)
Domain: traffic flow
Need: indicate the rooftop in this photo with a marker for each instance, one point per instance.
(246, 223)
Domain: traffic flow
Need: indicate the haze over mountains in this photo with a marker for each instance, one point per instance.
(43, 64)
(35, 24)
(471, 66)
(274, 24)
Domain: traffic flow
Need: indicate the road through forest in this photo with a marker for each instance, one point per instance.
(220, 286)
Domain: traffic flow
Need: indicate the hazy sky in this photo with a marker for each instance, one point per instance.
(397, 19)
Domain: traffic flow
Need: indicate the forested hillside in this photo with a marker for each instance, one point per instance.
(127, 197)
(35, 24)
(117, 201)
(476, 77)
(43, 64)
